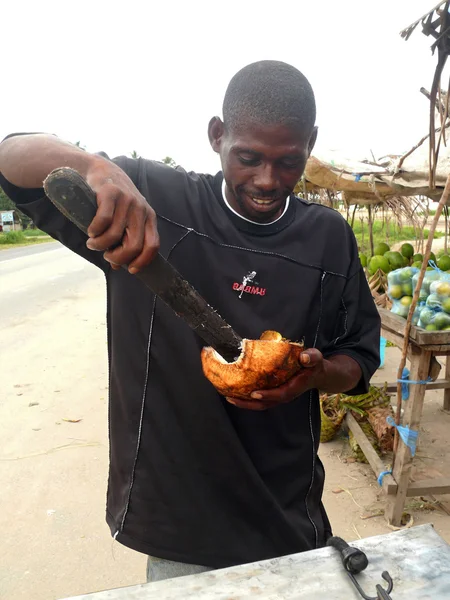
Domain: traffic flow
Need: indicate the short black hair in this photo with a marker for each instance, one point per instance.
(269, 92)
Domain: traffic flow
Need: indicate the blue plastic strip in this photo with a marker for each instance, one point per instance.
(381, 476)
(409, 436)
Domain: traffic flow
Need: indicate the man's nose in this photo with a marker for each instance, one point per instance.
(266, 178)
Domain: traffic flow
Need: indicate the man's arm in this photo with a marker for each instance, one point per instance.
(123, 216)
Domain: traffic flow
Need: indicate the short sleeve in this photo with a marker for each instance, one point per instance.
(360, 324)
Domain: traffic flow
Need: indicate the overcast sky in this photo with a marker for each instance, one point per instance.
(147, 75)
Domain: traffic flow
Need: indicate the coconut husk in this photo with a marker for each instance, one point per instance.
(262, 365)
(356, 448)
(332, 415)
(383, 431)
(376, 396)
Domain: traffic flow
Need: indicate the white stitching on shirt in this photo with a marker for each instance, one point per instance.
(310, 420)
(345, 323)
(141, 418)
(254, 251)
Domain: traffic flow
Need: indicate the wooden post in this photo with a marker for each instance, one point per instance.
(420, 364)
(447, 391)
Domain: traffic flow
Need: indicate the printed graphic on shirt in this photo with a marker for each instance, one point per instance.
(249, 285)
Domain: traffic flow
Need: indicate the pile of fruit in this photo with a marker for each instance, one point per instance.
(402, 270)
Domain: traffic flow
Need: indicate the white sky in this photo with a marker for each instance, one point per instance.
(147, 75)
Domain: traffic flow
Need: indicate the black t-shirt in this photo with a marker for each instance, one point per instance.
(193, 478)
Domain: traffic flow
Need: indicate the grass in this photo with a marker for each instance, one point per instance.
(381, 233)
(34, 233)
(15, 239)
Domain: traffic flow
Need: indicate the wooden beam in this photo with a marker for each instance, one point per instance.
(403, 460)
(389, 486)
(439, 384)
(429, 486)
(447, 392)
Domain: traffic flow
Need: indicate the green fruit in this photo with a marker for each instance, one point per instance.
(379, 262)
(432, 257)
(363, 259)
(405, 274)
(446, 305)
(417, 265)
(407, 250)
(426, 316)
(442, 320)
(444, 262)
(433, 301)
(395, 292)
(407, 289)
(381, 249)
(417, 258)
(443, 288)
(431, 327)
(406, 301)
(395, 259)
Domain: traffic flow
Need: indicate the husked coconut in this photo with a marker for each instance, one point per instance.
(263, 364)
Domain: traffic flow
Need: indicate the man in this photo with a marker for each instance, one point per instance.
(197, 480)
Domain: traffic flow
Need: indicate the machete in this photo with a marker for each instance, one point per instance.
(75, 199)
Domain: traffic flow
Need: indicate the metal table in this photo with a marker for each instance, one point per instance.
(418, 560)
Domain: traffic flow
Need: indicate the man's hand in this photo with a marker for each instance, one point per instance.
(340, 373)
(125, 224)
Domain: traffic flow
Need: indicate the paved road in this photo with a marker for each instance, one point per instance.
(53, 366)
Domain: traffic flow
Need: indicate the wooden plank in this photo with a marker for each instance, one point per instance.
(396, 324)
(403, 460)
(396, 339)
(389, 485)
(447, 391)
(429, 486)
(439, 384)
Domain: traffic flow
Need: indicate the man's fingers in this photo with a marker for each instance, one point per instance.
(150, 245)
(249, 404)
(106, 203)
(311, 357)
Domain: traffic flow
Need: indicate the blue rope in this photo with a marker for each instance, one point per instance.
(409, 436)
(406, 382)
(381, 476)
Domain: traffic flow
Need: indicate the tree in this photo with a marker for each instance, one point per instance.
(134, 154)
(169, 161)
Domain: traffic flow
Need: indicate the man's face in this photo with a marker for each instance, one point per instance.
(261, 165)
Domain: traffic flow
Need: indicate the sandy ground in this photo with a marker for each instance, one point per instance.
(53, 370)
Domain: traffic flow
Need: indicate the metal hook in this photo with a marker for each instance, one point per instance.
(382, 594)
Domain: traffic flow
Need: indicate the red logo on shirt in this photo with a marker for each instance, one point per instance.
(245, 288)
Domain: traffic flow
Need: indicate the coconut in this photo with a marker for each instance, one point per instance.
(262, 364)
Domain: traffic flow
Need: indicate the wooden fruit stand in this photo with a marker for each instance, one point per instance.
(423, 348)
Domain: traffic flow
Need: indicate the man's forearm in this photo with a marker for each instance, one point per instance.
(26, 160)
(340, 373)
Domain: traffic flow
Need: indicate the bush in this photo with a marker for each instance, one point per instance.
(12, 237)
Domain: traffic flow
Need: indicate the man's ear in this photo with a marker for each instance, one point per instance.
(312, 140)
(215, 133)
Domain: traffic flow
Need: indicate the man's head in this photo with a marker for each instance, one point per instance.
(266, 136)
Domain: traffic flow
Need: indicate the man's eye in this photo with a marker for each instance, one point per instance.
(291, 165)
(248, 161)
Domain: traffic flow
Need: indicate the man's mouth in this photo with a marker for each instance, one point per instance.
(263, 201)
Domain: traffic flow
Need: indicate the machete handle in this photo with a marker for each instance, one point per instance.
(76, 200)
